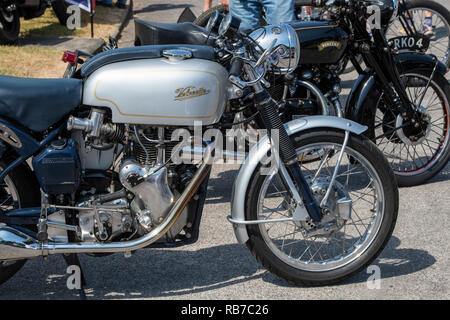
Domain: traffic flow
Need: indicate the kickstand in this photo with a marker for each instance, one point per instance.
(72, 259)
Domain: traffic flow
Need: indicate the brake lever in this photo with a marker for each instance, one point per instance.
(265, 54)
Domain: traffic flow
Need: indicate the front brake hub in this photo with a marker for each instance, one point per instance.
(417, 130)
(336, 212)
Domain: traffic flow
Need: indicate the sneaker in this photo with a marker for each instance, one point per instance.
(427, 30)
(121, 5)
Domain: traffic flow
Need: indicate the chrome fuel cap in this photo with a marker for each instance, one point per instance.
(177, 54)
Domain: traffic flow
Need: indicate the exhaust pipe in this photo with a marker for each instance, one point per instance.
(15, 245)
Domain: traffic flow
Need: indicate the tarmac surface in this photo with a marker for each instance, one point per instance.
(414, 265)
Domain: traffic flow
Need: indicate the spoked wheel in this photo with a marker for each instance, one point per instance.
(9, 26)
(16, 191)
(417, 149)
(415, 15)
(202, 20)
(349, 237)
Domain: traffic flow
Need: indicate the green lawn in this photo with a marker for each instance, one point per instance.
(44, 62)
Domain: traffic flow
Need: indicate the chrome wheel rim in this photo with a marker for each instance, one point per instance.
(324, 253)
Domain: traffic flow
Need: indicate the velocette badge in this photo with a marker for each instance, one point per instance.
(328, 44)
(190, 92)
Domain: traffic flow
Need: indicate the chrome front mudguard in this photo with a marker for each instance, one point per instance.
(259, 151)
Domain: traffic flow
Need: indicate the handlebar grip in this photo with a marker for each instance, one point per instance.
(236, 67)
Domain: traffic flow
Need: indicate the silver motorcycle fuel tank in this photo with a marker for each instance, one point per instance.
(159, 91)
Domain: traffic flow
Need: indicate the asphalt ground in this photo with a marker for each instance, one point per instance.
(414, 265)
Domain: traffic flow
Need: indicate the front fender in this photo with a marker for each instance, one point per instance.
(415, 60)
(259, 151)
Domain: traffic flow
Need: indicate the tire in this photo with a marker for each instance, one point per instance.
(265, 254)
(28, 193)
(60, 9)
(202, 20)
(435, 8)
(409, 167)
(9, 27)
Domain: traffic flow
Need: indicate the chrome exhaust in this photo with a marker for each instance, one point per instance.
(316, 91)
(16, 245)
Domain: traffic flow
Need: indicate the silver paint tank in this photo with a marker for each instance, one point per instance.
(160, 91)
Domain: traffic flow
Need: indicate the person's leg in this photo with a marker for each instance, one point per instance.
(428, 24)
(279, 11)
(121, 4)
(248, 11)
(409, 21)
(105, 3)
(207, 4)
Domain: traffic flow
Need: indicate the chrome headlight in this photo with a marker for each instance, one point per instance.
(287, 47)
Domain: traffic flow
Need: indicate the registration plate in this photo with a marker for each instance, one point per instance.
(415, 43)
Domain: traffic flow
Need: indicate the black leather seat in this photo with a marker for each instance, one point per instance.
(144, 52)
(38, 103)
(151, 33)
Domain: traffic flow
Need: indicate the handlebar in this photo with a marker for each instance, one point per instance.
(322, 3)
(309, 3)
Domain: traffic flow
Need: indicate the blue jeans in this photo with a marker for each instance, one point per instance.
(249, 11)
(110, 1)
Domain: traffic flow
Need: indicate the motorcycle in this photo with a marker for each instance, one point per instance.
(408, 24)
(12, 10)
(403, 97)
(108, 177)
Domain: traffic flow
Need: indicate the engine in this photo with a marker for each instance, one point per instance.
(127, 184)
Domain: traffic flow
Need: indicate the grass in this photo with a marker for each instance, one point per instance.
(31, 62)
(45, 62)
(106, 22)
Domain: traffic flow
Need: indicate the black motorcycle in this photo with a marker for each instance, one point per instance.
(12, 10)
(402, 96)
(409, 21)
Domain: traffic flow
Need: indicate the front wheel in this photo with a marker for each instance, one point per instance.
(307, 254)
(417, 148)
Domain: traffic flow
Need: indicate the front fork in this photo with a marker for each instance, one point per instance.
(287, 156)
(381, 60)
